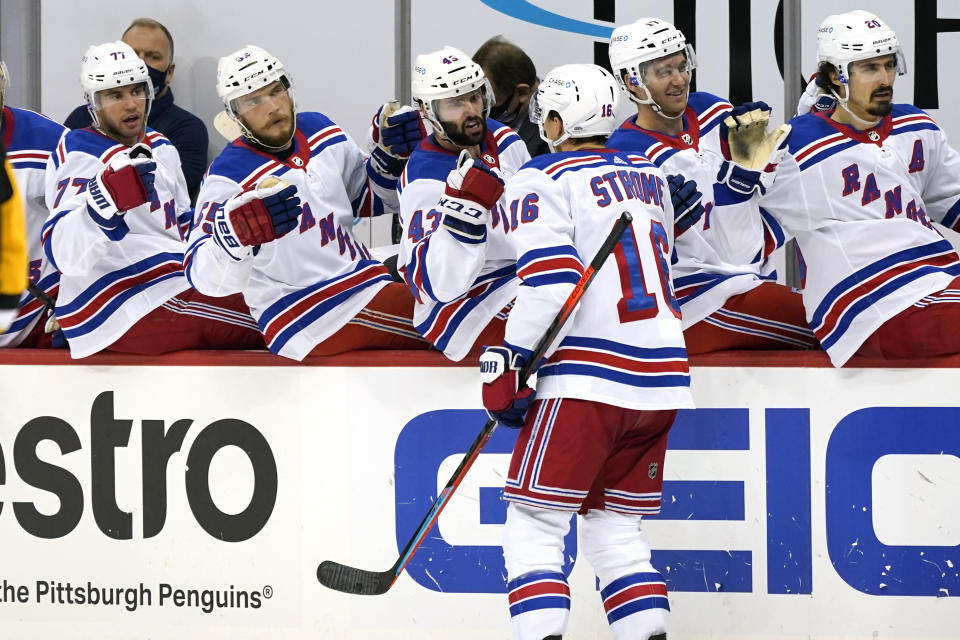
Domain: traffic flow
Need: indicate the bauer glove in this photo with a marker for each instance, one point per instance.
(125, 183)
(503, 397)
(256, 217)
(751, 152)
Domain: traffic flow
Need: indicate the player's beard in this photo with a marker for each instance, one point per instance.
(281, 139)
(458, 135)
(881, 109)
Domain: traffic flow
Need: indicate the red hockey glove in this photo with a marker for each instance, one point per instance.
(504, 401)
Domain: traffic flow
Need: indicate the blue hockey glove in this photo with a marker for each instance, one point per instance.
(504, 400)
(395, 133)
(686, 199)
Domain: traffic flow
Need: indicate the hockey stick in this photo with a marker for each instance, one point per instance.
(340, 577)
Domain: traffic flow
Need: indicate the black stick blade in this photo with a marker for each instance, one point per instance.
(339, 577)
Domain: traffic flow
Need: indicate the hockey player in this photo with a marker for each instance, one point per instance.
(722, 277)
(275, 216)
(859, 191)
(594, 439)
(116, 229)
(30, 140)
(13, 244)
(454, 247)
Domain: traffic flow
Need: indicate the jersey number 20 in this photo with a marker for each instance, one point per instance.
(638, 303)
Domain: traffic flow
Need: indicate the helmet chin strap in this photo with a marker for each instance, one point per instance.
(860, 122)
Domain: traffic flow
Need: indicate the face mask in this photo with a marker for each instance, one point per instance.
(158, 78)
(499, 113)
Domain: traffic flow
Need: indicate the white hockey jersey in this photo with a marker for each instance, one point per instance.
(30, 139)
(306, 285)
(860, 206)
(725, 253)
(624, 344)
(107, 285)
(459, 287)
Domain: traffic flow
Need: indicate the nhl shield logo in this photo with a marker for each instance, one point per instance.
(297, 161)
(686, 138)
(874, 136)
(652, 470)
(489, 159)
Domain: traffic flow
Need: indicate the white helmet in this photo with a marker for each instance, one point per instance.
(447, 73)
(584, 95)
(856, 35)
(647, 39)
(245, 71)
(110, 65)
(4, 80)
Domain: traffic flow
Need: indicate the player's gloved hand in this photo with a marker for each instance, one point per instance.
(396, 131)
(256, 217)
(126, 183)
(686, 199)
(751, 152)
(472, 190)
(503, 398)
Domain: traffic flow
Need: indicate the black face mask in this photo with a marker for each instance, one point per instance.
(499, 113)
(158, 78)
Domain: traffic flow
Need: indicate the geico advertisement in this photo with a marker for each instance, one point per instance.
(197, 501)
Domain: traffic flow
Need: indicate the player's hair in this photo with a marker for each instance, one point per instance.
(150, 23)
(823, 76)
(600, 140)
(506, 64)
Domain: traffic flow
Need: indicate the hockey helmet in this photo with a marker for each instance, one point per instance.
(110, 65)
(585, 96)
(447, 73)
(856, 35)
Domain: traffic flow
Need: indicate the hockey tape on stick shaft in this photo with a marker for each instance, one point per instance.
(340, 577)
(39, 294)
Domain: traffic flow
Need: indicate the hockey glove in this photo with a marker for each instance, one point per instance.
(126, 183)
(472, 190)
(396, 131)
(686, 199)
(751, 153)
(256, 217)
(503, 398)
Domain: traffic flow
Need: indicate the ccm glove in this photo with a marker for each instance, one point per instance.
(126, 183)
(503, 398)
(256, 217)
(396, 131)
(471, 191)
(686, 199)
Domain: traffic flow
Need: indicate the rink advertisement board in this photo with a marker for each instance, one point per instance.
(193, 497)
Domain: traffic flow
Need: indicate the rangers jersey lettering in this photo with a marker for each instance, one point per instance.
(624, 344)
(30, 139)
(860, 204)
(725, 253)
(305, 286)
(107, 285)
(459, 287)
